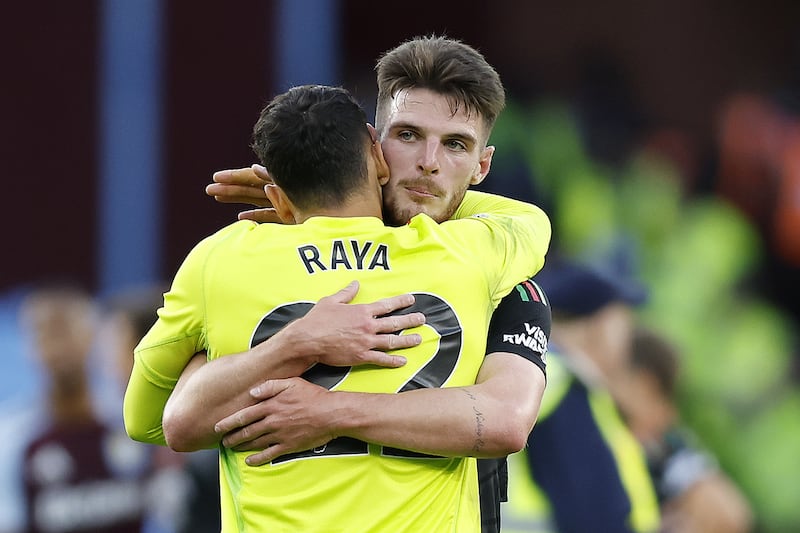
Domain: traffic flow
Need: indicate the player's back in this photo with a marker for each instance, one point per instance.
(244, 283)
(260, 277)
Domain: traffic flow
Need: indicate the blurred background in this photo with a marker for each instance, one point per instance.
(661, 137)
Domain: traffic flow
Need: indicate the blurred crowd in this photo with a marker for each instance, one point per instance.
(68, 464)
(711, 232)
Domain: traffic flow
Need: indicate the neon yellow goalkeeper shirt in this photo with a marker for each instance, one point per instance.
(239, 286)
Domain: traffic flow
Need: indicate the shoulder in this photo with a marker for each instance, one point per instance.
(526, 302)
(240, 227)
(221, 236)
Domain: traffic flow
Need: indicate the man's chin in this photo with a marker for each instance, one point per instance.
(399, 215)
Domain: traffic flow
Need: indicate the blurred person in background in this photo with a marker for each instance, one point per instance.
(687, 239)
(695, 495)
(583, 470)
(77, 473)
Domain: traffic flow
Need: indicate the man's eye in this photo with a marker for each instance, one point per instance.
(455, 145)
(407, 135)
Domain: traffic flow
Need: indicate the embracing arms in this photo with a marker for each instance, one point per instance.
(344, 335)
(489, 419)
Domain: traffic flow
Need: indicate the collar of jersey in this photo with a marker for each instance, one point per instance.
(345, 222)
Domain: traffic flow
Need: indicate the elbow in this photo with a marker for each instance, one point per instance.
(138, 428)
(176, 433)
(512, 441)
(501, 443)
(185, 430)
(517, 442)
(173, 435)
(134, 431)
(145, 434)
(513, 435)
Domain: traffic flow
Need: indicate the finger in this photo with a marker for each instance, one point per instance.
(239, 419)
(254, 444)
(374, 357)
(397, 342)
(269, 388)
(233, 439)
(238, 176)
(243, 438)
(387, 305)
(265, 214)
(393, 323)
(241, 194)
(263, 457)
(345, 295)
(224, 196)
(234, 189)
(262, 173)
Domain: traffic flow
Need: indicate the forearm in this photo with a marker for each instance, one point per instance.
(418, 421)
(333, 332)
(489, 419)
(208, 392)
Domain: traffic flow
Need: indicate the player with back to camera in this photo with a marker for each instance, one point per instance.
(328, 172)
(428, 146)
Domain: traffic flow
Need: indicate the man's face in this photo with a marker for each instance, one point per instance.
(433, 156)
(62, 333)
(612, 334)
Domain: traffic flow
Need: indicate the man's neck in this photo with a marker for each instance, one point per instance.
(359, 206)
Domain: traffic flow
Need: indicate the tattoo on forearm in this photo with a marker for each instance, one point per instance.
(479, 418)
(479, 424)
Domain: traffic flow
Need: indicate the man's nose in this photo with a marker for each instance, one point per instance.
(429, 159)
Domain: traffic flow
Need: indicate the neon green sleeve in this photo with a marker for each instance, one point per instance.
(477, 203)
(143, 408)
(519, 237)
(163, 353)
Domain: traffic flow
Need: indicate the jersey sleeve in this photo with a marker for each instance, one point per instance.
(163, 353)
(517, 239)
(521, 324)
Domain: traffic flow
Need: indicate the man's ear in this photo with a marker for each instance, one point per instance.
(284, 207)
(372, 132)
(484, 165)
(381, 166)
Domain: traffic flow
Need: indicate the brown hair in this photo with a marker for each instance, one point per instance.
(656, 355)
(446, 66)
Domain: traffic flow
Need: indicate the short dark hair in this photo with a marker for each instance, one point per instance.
(313, 140)
(445, 66)
(653, 353)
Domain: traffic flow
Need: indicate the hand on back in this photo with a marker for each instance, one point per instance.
(244, 186)
(345, 334)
